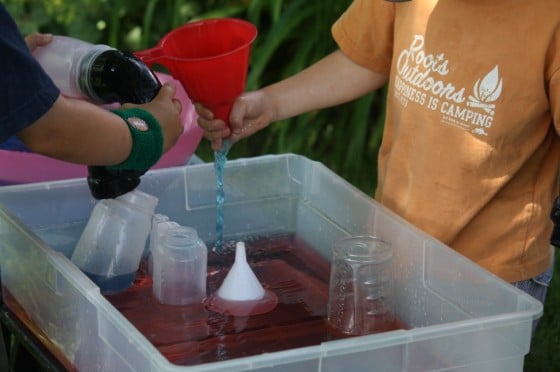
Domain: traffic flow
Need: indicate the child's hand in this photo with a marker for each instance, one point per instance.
(251, 112)
(36, 39)
(167, 110)
(214, 130)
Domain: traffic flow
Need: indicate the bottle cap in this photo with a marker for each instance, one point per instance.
(112, 75)
(108, 184)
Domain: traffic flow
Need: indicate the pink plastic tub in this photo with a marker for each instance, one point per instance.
(18, 167)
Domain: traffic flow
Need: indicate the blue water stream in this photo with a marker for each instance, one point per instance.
(220, 158)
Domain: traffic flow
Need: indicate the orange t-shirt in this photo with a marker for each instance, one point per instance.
(470, 150)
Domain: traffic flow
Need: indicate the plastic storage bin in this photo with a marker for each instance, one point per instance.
(461, 317)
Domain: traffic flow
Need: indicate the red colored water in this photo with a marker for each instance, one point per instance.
(192, 335)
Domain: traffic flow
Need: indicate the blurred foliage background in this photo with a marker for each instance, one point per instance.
(292, 35)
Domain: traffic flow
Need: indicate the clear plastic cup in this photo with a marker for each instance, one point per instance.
(111, 246)
(361, 286)
(179, 266)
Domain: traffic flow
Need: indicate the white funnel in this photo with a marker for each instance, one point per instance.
(241, 283)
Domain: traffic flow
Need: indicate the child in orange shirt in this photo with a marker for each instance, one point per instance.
(470, 150)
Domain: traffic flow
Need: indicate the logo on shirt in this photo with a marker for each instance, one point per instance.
(421, 78)
(486, 91)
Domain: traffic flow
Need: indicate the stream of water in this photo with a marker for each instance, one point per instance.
(220, 158)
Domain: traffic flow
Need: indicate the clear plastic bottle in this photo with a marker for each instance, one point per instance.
(111, 246)
(179, 267)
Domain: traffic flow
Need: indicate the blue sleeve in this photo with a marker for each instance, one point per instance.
(26, 91)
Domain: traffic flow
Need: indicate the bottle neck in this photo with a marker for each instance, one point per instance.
(84, 71)
(181, 237)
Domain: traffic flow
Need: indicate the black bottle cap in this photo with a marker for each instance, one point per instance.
(118, 76)
(107, 184)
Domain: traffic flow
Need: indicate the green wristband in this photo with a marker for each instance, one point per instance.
(147, 139)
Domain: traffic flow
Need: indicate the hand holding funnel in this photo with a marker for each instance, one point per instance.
(210, 58)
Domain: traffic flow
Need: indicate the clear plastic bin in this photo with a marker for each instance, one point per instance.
(461, 317)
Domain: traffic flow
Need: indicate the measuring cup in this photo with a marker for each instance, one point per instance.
(210, 58)
(361, 286)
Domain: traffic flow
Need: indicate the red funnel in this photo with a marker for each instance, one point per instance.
(210, 58)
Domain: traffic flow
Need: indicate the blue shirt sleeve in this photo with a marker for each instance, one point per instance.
(26, 91)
